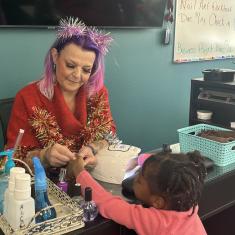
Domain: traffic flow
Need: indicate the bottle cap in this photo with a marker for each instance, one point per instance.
(22, 186)
(77, 189)
(62, 174)
(166, 148)
(13, 172)
(88, 194)
(22, 182)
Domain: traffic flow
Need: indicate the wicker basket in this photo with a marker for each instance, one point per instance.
(221, 153)
(69, 216)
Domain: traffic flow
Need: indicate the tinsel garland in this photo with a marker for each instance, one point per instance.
(99, 122)
(47, 130)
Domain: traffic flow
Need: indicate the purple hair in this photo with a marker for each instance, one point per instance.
(96, 80)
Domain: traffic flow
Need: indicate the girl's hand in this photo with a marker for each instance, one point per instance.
(86, 153)
(75, 167)
(58, 155)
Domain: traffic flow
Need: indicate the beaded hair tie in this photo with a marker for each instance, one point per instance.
(70, 27)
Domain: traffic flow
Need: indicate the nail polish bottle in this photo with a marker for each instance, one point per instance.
(90, 210)
(77, 195)
(62, 184)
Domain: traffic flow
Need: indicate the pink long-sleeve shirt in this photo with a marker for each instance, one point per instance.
(145, 221)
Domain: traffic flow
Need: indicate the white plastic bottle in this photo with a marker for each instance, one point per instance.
(9, 193)
(23, 206)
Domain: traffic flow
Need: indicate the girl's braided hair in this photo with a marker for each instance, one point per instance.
(179, 178)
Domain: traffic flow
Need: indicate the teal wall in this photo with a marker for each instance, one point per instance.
(149, 94)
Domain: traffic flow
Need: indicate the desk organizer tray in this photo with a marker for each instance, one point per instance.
(221, 153)
(69, 216)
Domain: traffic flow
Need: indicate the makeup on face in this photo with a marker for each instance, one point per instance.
(73, 67)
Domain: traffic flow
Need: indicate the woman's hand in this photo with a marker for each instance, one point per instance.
(75, 167)
(89, 159)
(58, 155)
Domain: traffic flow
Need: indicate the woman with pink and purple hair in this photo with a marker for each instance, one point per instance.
(67, 111)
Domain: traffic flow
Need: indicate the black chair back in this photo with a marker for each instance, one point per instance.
(5, 112)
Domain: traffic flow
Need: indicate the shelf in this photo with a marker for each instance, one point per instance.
(211, 122)
(207, 101)
(223, 111)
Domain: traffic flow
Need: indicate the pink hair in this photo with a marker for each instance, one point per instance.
(94, 84)
(71, 30)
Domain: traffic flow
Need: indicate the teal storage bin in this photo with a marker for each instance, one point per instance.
(221, 153)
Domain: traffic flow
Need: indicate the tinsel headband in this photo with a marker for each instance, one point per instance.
(70, 27)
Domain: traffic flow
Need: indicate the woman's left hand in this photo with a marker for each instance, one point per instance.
(89, 159)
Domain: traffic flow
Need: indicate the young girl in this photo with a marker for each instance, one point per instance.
(169, 184)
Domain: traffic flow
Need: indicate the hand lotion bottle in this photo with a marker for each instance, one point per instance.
(9, 193)
(23, 208)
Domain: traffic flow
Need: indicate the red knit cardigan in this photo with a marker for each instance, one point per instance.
(50, 121)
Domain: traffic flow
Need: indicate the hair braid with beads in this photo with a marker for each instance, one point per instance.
(179, 178)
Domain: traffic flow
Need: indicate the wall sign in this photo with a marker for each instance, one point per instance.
(204, 30)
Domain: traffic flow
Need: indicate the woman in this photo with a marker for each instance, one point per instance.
(68, 110)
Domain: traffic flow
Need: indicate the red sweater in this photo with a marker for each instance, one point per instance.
(145, 221)
(49, 121)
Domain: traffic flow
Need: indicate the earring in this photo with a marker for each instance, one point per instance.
(54, 67)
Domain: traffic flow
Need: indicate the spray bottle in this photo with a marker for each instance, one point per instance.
(41, 196)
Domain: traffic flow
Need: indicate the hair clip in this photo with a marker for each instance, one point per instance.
(70, 27)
